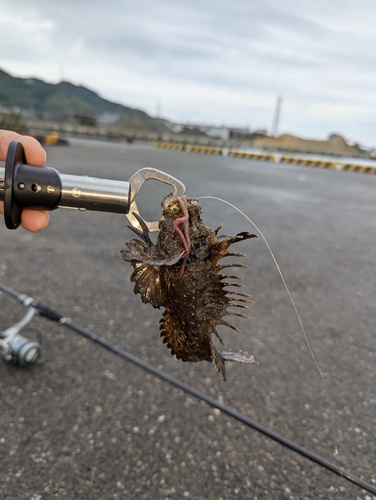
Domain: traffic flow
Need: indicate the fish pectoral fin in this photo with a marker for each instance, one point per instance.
(147, 284)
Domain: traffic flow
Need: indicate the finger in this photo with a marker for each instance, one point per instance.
(35, 154)
(34, 220)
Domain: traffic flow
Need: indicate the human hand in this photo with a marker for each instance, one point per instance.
(32, 220)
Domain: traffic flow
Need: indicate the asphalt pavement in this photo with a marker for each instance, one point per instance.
(85, 424)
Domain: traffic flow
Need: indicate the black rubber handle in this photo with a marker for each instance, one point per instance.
(27, 186)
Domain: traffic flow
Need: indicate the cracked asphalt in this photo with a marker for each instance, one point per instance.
(85, 424)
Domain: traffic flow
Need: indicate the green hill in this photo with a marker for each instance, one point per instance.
(41, 97)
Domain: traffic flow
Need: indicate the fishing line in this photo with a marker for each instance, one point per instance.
(336, 453)
(282, 278)
(56, 316)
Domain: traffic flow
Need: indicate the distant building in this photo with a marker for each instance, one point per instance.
(80, 118)
(75, 117)
(108, 118)
(220, 132)
(216, 131)
(260, 132)
(238, 133)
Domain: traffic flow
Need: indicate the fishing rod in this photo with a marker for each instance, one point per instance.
(23, 351)
(43, 188)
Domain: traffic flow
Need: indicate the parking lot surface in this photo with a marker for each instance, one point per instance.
(85, 424)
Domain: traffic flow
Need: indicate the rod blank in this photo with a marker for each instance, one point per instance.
(60, 318)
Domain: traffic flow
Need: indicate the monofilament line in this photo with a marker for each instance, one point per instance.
(282, 278)
(63, 320)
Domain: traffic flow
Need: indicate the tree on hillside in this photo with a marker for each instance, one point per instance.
(13, 120)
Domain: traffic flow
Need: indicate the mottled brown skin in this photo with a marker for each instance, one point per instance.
(196, 303)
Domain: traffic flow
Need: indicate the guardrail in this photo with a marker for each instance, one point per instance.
(275, 158)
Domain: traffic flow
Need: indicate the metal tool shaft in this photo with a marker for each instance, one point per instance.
(75, 191)
(43, 188)
(91, 193)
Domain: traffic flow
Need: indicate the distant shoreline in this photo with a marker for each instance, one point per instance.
(334, 147)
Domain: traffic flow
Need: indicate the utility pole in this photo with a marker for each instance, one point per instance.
(277, 113)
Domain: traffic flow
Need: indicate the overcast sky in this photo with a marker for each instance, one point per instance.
(208, 61)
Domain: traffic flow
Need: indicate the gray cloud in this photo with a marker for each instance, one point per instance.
(215, 61)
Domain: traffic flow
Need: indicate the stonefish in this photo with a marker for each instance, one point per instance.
(181, 273)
